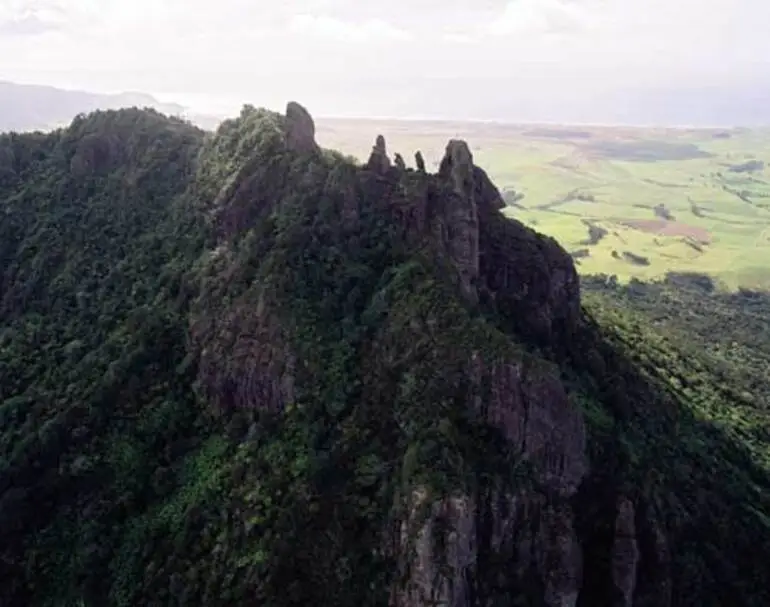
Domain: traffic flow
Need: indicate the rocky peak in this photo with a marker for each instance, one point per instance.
(300, 128)
(378, 160)
(461, 226)
(457, 161)
(419, 161)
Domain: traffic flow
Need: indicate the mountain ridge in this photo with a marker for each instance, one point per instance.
(270, 374)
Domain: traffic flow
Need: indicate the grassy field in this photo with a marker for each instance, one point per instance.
(625, 201)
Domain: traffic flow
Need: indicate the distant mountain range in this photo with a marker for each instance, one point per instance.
(26, 107)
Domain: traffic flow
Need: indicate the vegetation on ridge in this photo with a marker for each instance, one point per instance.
(137, 250)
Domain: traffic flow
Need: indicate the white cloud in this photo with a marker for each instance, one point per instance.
(370, 30)
(538, 17)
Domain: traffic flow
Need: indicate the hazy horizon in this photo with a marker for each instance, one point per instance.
(607, 62)
(661, 115)
(217, 108)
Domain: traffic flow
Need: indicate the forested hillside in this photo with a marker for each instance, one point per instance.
(709, 344)
(236, 369)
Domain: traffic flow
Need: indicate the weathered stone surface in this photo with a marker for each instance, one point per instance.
(530, 278)
(625, 553)
(534, 530)
(655, 557)
(378, 160)
(533, 411)
(245, 362)
(429, 582)
(460, 225)
(300, 129)
(536, 537)
(419, 161)
(661, 565)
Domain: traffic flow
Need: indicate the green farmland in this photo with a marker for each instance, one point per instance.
(633, 202)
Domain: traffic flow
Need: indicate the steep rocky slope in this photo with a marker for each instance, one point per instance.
(239, 369)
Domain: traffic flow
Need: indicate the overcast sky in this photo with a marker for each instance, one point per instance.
(552, 60)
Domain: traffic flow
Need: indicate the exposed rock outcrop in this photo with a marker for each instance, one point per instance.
(535, 531)
(434, 577)
(419, 161)
(534, 413)
(245, 360)
(378, 160)
(300, 129)
(625, 553)
(460, 228)
(653, 583)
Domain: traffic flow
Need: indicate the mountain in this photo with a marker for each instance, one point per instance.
(236, 368)
(26, 107)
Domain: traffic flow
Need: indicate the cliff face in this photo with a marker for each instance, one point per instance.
(236, 368)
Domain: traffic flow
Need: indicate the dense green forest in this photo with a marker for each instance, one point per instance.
(710, 345)
(229, 361)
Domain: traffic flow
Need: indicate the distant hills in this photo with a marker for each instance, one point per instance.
(26, 107)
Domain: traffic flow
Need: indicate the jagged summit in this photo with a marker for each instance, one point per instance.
(455, 210)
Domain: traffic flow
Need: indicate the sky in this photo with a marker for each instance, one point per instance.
(671, 61)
